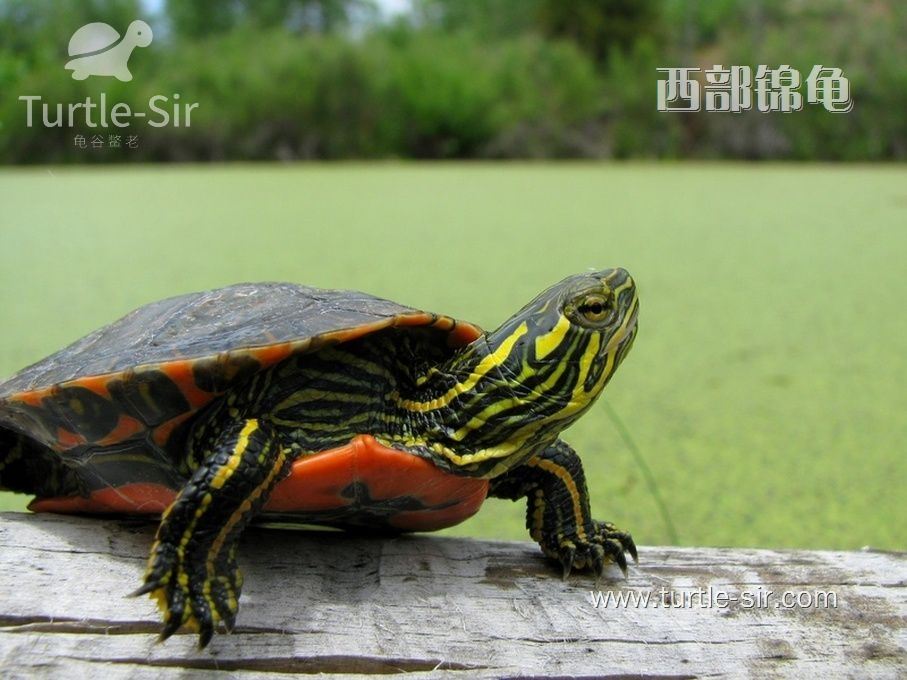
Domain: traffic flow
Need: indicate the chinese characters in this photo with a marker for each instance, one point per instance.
(108, 141)
(738, 88)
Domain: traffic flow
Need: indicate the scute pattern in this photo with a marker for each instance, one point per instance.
(205, 324)
(81, 411)
(150, 397)
(153, 368)
(212, 375)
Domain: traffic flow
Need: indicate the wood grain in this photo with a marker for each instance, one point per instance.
(331, 603)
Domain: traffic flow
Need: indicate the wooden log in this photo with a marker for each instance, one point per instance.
(331, 603)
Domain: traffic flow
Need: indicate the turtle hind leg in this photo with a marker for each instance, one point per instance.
(192, 571)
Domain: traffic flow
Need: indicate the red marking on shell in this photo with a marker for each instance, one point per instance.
(358, 332)
(163, 431)
(462, 334)
(131, 499)
(417, 319)
(31, 398)
(268, 355)
(315, 484)
(67, 439)
(125, 428)
(95, 383)
(180, 372)
(272, 354)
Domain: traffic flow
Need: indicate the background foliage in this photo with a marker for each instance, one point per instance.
(459, 78)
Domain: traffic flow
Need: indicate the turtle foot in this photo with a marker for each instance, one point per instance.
(605, 544)
(201, 595)
(192, 570)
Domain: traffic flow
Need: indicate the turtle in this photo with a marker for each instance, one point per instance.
(97, 51)
(282, 402)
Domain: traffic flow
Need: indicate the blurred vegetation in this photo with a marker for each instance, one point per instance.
(291, 79)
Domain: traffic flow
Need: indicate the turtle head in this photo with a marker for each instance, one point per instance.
(139, 33)
(513, 390)
(563, 346)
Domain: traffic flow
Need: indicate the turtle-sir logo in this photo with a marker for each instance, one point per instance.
(98, 50)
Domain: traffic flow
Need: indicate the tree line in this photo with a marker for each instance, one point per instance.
(334, 79)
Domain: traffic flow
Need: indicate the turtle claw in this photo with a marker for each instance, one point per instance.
(144, 589)
(170, 627)
(566, 557)
(226, 614)
(620, 560)
(188, 596)
(598, 561)
(603, 545)
(230, 623)
(622, 537)
(205, 633)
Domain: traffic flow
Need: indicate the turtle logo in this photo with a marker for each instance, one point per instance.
(98, 50)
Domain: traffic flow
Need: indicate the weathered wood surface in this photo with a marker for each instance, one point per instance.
(317, 602)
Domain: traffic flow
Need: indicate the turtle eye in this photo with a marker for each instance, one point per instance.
(595, 308)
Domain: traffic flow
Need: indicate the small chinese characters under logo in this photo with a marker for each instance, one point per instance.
(100, 141)
(737, 88)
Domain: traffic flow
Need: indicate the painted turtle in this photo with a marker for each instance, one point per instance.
(330, 407)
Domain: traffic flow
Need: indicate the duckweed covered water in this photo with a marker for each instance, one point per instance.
(766, 386)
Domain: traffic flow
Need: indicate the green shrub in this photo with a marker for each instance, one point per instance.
(387, 95)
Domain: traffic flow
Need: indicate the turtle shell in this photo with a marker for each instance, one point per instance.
(96, 418)
(156, 366)
(92, 38)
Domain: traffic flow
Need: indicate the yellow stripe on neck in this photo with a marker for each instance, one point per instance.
(491, 361)
(550, 341)
(504, 450)
(479, 420)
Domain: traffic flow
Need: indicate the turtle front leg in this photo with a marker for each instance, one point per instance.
(192, 571)
(557, 514)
